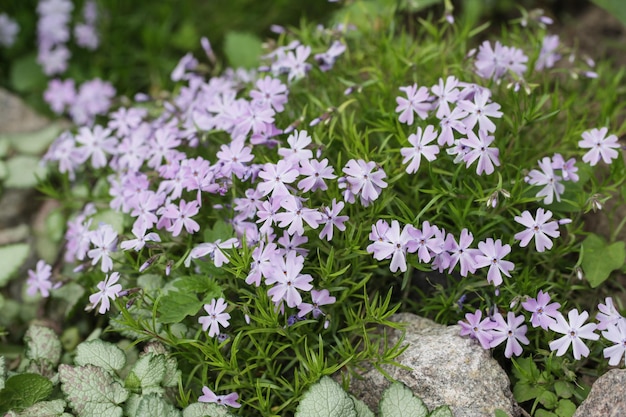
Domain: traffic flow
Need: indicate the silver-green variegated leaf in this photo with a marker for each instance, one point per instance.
(326, 398)
(91, 391)
(42, 345)
(172, 373)
(399, 401)
(362, 410)
(147, 374)
(24, 171)
(12, 257)
(100, 353)
(441, 411)
(206, 409)
(3, 372)
(154, 405)
(54, 408)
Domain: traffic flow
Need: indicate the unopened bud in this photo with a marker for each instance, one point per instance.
(565, 221)
(579, 273)
(168, 268)
(148, 263)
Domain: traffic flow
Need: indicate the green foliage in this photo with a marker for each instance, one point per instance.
(616, 7)
(598, 258)
(23, 390)
(12, 257)
(242, 49)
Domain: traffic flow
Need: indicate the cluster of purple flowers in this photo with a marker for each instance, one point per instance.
(8, 30)
(494, 330)
(92, 98)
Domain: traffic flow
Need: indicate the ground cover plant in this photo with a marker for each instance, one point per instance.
(261, 225)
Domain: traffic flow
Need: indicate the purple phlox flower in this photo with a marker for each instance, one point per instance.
(297, 151)
(252, 117)
(479, 110)
(395, 245)
(617, 335)
(544, 314)
(546, 177)
(441, 258)
(94, 97)
(39, 280)
(109, 291)
(59, 94)
(288, 281)
(8, 30)
(547, 55)
(228, 399)
(247, 207)
(327, 59)
(265, 137)
(315, 172)
(296, 214)
(86, 36)
(318, 298)
(478, 329)
(262, 262)
(144, 205)
(161, 144)
(449, 122)
(131, 153)
(420, 148)
(54, 60)
(295, 63)
(139, 230)
(64, 151)
(538, 228)
(363, 178)
(270, 91)
(378, 233)
(215, 317)
(459, 151)
(233, 157)
(78, 239)
(608, 315)
(292, 244)
(267, 213)
(427, 241)
(418, 101)
(568, 169)
(331, 219)
(275, 177)
(96, 144)
(496, 62)
(491, 255)
(198, 174)
(512, 331)
(181, 216)
(186, 63)
(445, 93)
(574, 332)
(104, 240)
(600, 146)
(213, 250)
(461, 252)
(124, 121)
(478, 149)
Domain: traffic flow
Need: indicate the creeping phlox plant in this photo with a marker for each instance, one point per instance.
(262, 224)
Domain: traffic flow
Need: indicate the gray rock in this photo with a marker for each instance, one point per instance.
(445, 369)
(15, 116)
(607, 397)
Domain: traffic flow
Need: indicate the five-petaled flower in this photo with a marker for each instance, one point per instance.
(600, 146)
(574, 332)
(539, 228)
(544, 314)
(491, 255)
(510, 330)
(109, 291)
(478, 329)
(215, 317)
(209, 396)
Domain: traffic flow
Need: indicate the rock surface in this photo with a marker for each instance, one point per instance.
(607, 397)
(445, 369)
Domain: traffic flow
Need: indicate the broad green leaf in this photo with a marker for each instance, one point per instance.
(616, 7)
(441, 411)
(563, 389)
(42, 344)
(242, 49)
(501, 413)
(12, 257)
(544, 413)
(186, 37)
(147, 373)
(362, 410)
(4, 148)
(566, 408)
(4, 170)
(23, 390)
(150, 282)
(199, 284)
(599, 259)
(26, 75)
(206, 409)
(55, 408)
(175, 306)
(71, 293)
(399, 401)
(92, 391)
(155, 406)
(220, 231)
(100, 353)
(110, 217)
(33, 143)
(326, 398)
(548, 399)
(24, 171)
(523, 391)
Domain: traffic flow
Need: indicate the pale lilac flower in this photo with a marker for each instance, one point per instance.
(574, 332)
(234, 157)
(104, 240)
(262, 262)
(600, 146)
(295, 215)
(289, 280)
(568, 169)
(327, 59)
(97, 143)
(608, 315)
(252, 117)
(267, 214)
(94, 97)
(215, 317)
(461, 252)
(270, 91)
(420, 148)
(477, 329)
(39, 280)
(395, 245)
(445, 94)
(449, 122)
(292, 244)
(60, 94)
(491, 256)
(617, 335)
(295, 62)
(181, 216)
(512, 331)
(331, 219)
(496, 62)
(228, 399)
(544, 312)
(297, 151)
(546, 177)
(478, 149)
(363, 180)
(315, 172)
(417, 101)
(548, 56)
(187, 63)
(479, 110)
(86, 36)
(109, 291)
(213, 250)
(538, 228)
(139, 230)
(318, 298)
(8, 30)
(275, 177)
(427, 241)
